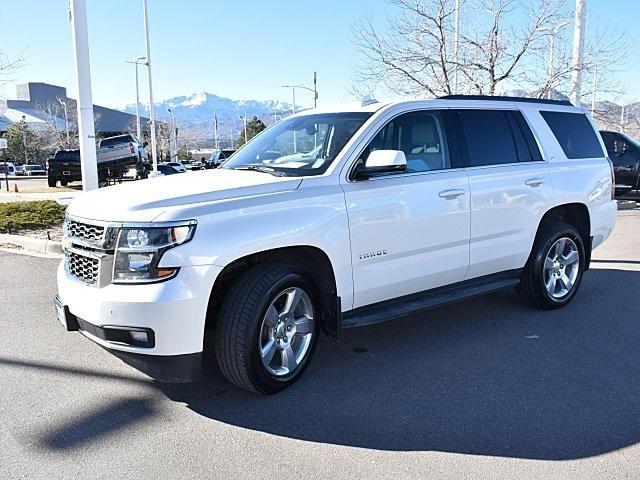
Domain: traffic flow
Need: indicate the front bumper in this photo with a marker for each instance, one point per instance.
(173, 311)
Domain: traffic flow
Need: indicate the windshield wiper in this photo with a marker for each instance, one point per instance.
(256, 168)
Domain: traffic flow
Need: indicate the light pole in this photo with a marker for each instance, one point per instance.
(595, 87)
(152, 117)
(215, 132)
(173, 137)
(554, 32)
(293, 107)
(66, 120)
(578, 50)
(244, 120)
(24, 139)
(456, 46)
(86, 127)
(137, 61)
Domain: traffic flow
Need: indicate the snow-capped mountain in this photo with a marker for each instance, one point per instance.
(200, 108)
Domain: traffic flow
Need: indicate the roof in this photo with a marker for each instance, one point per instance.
(501, 98)
(375, 106)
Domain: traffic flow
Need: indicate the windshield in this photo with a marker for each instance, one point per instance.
(299, 146)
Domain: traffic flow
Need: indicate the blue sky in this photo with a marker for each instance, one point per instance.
(238, 49)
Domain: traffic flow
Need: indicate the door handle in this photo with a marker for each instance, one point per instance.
(451, 194)
(535, 182)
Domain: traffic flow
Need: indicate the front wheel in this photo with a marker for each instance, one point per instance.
(554, 270)
(267, 328)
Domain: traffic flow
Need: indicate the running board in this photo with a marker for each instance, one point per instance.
(416, 302)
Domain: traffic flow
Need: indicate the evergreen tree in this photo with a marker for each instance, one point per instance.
(17, 135)
(254, 127)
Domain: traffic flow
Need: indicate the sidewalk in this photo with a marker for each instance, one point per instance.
(61, 197)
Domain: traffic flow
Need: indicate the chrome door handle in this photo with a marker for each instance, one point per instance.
(451, 194)
(535, 182)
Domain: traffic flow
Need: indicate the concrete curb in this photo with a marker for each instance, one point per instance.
(37, 245)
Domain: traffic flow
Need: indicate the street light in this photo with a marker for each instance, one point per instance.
(66, 120)
(137, 61)
(552, 35)
(24, 139)
(313, 90)
(152, 117)
(173, 137)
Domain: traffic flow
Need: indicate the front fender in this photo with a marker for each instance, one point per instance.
(313, 216)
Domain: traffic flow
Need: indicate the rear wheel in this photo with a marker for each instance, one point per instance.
(267, 328)
(64, 183)
(554, 270)
(52, 181)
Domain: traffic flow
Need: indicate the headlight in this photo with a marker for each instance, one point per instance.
(139, 250)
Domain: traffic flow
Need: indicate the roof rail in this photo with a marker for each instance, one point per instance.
(499, 98)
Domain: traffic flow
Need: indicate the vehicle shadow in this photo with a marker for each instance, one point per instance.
(489, 376)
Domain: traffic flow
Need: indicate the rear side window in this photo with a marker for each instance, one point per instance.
(489, 137)
(574, 134)
(108, 142)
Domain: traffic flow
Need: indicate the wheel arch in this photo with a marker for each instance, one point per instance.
(310, 259)
(575, 214)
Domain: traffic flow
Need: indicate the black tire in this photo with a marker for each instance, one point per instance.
(532, 285)
(64, 183)
(52, 181)
(239, 322)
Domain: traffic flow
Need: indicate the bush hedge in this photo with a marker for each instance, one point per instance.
(30, 215)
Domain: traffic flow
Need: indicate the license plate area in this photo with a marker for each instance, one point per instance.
(65, 317)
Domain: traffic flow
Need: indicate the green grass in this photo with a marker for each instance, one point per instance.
(30, 215)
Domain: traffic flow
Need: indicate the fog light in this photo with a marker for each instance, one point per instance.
(140, 337)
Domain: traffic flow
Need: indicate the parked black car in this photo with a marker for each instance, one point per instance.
(624, 152)
(64, 167)
(167, 170)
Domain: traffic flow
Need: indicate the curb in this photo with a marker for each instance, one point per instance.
(37, 245)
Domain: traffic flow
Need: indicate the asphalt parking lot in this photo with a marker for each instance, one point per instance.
(487, 388)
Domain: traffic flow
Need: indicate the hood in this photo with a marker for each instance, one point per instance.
(145, 200)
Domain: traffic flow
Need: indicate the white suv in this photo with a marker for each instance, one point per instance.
(332, 219)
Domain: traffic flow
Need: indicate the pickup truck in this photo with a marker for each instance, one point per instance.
(624, 152)
(116, 156)
(406, 206)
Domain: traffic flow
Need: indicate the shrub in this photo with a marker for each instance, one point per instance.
(30, 215)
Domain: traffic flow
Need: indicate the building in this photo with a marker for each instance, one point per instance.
(41, 106)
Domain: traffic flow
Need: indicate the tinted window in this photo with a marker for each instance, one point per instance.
(420, 135)
(67, 155)
(574, 134)
(489, 137)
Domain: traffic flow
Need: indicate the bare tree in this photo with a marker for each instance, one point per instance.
(503, 45)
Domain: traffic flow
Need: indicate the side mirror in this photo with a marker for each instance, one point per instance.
(380, 162)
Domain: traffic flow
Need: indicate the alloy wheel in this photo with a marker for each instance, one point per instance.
(561, 268)
(286, 332)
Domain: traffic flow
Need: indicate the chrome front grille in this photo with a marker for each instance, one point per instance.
(84, 231)
(83, 267)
